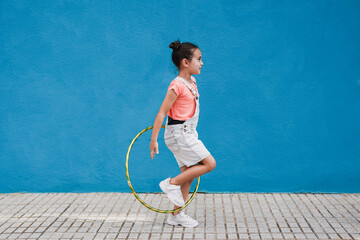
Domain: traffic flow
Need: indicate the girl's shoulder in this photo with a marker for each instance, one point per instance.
(178, 85)
(177, 81)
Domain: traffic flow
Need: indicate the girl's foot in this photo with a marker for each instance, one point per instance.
(173, 192)
(182, 219)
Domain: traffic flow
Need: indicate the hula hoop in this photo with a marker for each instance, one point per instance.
(133, 191)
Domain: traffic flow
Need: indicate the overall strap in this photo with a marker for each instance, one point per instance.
(190, 87)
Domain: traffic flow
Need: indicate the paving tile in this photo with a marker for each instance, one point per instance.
(236, 216)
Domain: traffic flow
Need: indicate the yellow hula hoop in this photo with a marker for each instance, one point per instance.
(132, 189)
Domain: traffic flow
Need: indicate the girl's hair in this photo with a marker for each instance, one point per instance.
(181, 51)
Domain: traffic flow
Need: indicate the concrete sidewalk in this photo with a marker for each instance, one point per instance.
(221, 216)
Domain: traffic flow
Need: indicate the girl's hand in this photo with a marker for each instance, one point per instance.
(154, 148)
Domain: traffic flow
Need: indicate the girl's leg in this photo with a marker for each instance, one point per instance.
(206, 165)
(184, 188)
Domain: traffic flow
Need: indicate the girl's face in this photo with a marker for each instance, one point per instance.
(196, 62)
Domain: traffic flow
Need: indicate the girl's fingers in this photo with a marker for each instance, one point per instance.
(154, 150)
(152, 153)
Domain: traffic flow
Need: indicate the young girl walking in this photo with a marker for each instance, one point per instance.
(181, 104)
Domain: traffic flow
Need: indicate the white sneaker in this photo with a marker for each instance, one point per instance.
(182, 219)
(173, 192)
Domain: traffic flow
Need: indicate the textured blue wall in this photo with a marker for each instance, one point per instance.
(280, 91)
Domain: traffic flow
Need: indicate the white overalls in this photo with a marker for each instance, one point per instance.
(182, 139)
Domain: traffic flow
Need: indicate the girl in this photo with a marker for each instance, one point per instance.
(181, 103)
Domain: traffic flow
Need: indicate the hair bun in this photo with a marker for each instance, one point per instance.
(175, 45)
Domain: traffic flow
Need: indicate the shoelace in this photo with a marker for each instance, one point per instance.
(186, 216)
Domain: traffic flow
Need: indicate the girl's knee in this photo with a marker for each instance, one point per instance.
(212, 165)
(209, 162)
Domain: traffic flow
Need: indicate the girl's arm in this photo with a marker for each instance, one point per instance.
(169, 100)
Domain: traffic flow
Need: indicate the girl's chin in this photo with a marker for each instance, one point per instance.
(197, 72)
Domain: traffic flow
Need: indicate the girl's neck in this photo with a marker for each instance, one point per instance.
(185, 76)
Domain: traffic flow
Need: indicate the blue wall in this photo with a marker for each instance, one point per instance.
(280, 91)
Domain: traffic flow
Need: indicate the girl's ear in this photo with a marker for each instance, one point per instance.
(185, 62)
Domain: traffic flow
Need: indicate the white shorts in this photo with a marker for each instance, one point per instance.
(185, 145)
